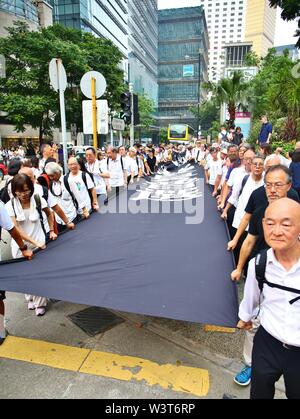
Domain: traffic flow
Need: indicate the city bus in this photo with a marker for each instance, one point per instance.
(180, 132)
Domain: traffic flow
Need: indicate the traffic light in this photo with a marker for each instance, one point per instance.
(126, 114)
(136, 115)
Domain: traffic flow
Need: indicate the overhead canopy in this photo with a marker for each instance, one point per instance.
(154, 264)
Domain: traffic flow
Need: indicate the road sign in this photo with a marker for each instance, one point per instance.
(57, 74)
(118, 124)
(102, 116)
(86, 84)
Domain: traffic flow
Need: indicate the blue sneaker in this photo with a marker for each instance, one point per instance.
(243, 378)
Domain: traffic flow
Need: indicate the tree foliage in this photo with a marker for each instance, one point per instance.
(276, 92)
(290, 11)
(26, 94)
(208, 113)
(146, 110)
(231, 91)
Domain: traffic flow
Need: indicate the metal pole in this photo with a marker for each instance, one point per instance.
(199, 95)
(111, 132)
(62, 116)
(94, 110)
(132, 116)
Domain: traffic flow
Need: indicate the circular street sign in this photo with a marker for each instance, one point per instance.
(86, 84)
(57, 74)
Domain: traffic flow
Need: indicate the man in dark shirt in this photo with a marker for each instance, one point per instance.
(278, 182)
(265, 131)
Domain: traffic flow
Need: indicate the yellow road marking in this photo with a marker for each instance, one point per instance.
(43, 353)
(189, 380)
(210, 328)
(177, 378)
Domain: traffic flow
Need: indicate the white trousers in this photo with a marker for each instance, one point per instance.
(248, 343)
(37, 301)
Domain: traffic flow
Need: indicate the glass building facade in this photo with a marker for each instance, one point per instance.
(103, 18)
(21, 8)
(143, 46)
(183, 42)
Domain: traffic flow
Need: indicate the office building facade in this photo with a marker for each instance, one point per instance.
(34, 13)
(143, 46)
(101, 18)
(183, 41)
(235, 21)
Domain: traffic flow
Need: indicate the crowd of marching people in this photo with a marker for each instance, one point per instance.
(257, 192)
(40, 201)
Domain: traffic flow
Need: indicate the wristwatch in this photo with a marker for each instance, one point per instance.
(23, 248)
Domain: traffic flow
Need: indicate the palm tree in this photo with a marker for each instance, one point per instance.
(231, 91)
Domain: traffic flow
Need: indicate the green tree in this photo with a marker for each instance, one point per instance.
(209, 112)
(276, 92)
(290, 11)
(146, 110)
(26, 94)
(231, 91)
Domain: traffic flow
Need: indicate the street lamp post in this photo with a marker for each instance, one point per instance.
(199, 92)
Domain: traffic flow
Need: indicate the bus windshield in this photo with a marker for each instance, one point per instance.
(177, 132)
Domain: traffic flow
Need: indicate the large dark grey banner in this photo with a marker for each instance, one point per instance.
(162, 254)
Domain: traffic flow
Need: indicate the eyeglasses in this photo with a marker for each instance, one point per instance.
(275, 185)
(258, 164)
(23, 192)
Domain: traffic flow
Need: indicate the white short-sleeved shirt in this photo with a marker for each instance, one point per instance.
(132, 166)
(80, 191)
(250, 186)
(51, 201)
(5, 220)
(114, 168)
(33, 229)
(64, 200)
(96, 169)
(215, 168)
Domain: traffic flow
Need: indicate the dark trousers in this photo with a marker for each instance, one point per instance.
(271, 360)
(230, 217)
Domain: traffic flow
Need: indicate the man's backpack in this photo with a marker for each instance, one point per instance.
(260, 272)
(67, 186)
(122, 164)
(4, 195)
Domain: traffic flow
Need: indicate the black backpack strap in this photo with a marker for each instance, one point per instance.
(67, 186)
(123, 164)
(38, 203)
(107, 163)
(260, 268)
(260, 272)
(86, 185)
(244, 183)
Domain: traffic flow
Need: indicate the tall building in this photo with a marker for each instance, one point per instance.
(183, 42)
(34, 13)
(143, 46)
(234, 21)
(105, 19)
(260, 26)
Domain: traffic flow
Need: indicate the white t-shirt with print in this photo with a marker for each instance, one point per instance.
(80, 191)
(114, 168)
(64, 200)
